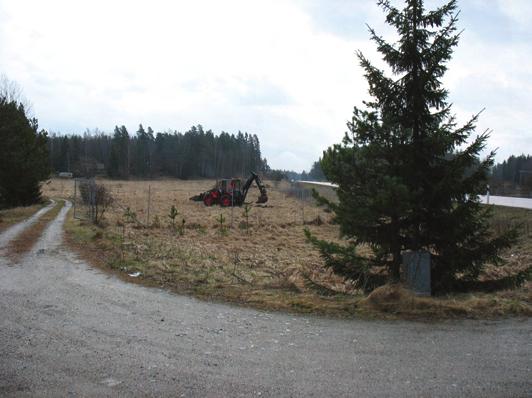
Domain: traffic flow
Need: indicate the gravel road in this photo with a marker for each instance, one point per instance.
(67, 329)
(13, 231)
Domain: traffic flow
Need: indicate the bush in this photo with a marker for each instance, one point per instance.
(97, 197)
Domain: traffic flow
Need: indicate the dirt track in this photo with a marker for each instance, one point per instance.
(69, 330)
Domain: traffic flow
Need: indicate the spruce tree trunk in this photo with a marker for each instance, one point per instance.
(396, 267)
(396, 251)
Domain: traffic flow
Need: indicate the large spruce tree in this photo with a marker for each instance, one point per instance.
(408, 177)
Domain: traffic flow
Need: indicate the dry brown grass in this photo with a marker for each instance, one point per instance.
(27, 238)
(268, 265)
(14, 215)
(395, 300)
(519, 257)
(271, 251)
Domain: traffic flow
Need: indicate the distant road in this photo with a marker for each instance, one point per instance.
(320, 183)
(525, 203)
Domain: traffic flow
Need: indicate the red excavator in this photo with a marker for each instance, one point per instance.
(231, 192)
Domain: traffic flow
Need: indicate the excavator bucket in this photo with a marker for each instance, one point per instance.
(262, 198)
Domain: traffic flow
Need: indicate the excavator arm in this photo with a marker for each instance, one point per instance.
(263, 198)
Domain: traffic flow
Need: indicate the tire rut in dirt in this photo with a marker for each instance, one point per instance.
(12, 232)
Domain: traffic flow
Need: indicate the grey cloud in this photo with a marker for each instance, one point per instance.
(263, 93)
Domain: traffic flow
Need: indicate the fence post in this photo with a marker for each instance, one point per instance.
(149, 204)
(232, 206)
(304, 194)
(74, 199)
(93, 200)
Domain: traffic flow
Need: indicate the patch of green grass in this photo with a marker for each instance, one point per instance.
(82, 233)
(127, 265)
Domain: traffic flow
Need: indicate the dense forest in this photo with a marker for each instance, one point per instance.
(195, 153)
(513, 176)
(315, 174)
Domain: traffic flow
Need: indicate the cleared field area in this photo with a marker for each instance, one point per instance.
(260, 259)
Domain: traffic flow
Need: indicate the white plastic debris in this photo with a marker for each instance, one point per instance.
(110, 382)
(135, 274)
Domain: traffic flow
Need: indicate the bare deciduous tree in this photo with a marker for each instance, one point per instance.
(10, 91)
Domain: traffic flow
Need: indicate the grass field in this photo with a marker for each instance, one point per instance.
(261, 259)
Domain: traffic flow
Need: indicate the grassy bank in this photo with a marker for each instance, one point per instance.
(264, 261)
(176, 263)
(9, 217)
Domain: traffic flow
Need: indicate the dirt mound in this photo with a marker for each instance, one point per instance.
(389, 295)
(396, 299)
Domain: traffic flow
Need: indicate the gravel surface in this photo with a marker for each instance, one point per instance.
(67, 329)
(16, 229)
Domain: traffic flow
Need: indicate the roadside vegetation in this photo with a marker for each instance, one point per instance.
(11, 216)
(264, 260)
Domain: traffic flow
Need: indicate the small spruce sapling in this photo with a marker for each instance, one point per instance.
(222, 229)
(172, 215)
(129, 215)
(181, 228)
(156, 223)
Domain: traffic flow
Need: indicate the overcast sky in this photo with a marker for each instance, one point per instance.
(282, 69)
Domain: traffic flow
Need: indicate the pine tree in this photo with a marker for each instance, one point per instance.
(407, 178)
(142, 159)
(119, 161)
(24, 159)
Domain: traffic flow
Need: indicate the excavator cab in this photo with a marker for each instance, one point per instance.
(227, 193)
(230, 186)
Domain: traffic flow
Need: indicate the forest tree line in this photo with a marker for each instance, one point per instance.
(516, 172)
(315, 174)
(513, 176)
(194, 154)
